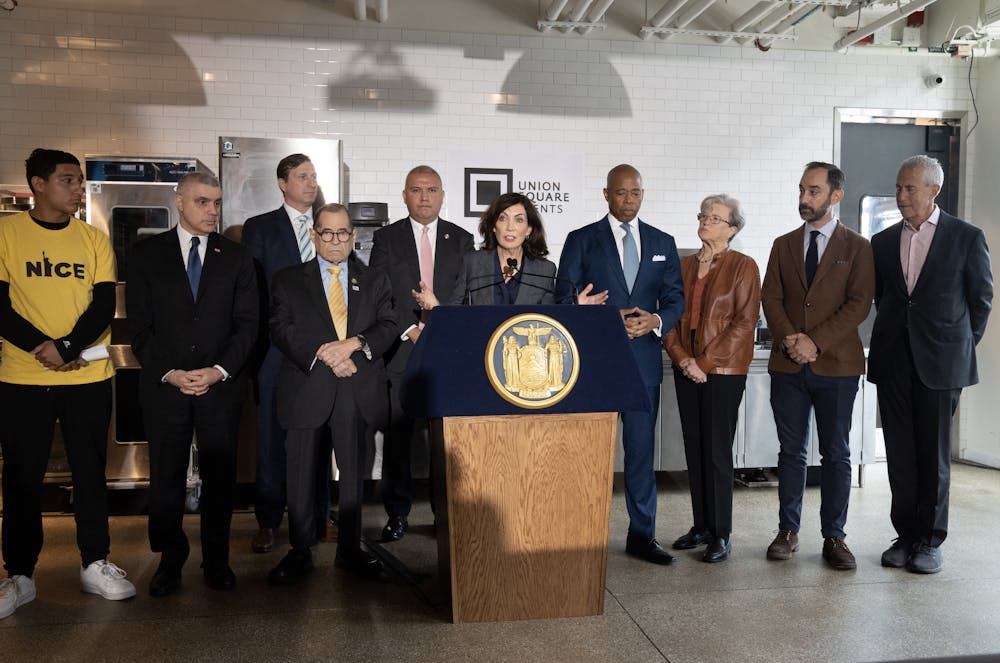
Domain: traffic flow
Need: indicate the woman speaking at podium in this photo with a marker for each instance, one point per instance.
(510, 267)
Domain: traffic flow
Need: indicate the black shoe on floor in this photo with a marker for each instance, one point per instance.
(219, 577)
(166, 581)
(394, 529)
(361, 564)
(647, 549)
(718, 550)
(693, 539)
(293, 567)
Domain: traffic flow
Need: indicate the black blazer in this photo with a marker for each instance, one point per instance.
(395, 252)
(301, 322)
(171, 329)
(946, 314)
(479, 274)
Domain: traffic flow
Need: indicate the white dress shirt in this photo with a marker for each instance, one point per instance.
(825, 233)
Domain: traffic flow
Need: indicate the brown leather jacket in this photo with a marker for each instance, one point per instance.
(730, 306)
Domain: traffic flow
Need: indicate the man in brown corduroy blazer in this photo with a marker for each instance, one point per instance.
(818, 288)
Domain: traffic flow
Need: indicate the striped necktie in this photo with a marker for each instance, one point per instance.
(338, 307)
(306, 249)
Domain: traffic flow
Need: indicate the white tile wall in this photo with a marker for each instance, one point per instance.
(695, 119)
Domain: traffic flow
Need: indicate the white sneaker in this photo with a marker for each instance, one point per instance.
(15, 591)
(106, 579)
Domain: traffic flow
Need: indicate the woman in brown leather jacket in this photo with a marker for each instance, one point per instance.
(711, 348)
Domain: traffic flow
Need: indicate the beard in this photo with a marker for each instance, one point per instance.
(813, 214)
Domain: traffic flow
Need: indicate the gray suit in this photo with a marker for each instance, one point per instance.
(478, 274)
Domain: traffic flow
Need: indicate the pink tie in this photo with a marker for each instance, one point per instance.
(426, 261)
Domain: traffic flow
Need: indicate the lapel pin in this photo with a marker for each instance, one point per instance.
(217, 250)
(446, 235)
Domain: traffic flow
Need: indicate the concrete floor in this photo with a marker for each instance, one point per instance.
(745, 609)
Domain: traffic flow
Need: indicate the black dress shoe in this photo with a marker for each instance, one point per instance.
(166, 581)
(360, 563)
(394, 529)
(647, 549)
(718, 550)
(219, 577)
(693, 539)
(293, 567)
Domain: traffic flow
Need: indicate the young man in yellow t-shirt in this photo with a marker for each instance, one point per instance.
(57, 299)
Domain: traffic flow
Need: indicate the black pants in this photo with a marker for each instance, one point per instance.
(29, 413)
(708, 421)
(916, 422)
(397, 489)
(304, 449)
(170, 423)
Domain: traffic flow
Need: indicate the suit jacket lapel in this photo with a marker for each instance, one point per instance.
(313, 289)
(609, 243)
(445, 250)
(834, 249)
(935, 252)
(175, 268)
(895, 235)
(288, 242)
(213, 254)
(794, 247)
(354, 271)
(410, 252)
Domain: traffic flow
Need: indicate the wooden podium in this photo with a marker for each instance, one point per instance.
(522, 496)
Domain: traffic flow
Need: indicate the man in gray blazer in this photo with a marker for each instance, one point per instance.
(933, 293)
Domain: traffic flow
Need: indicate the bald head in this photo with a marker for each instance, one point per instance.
(624, 192)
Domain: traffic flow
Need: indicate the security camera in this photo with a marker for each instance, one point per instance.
(934, 80)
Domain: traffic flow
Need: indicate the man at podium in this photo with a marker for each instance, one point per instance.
(639, 267)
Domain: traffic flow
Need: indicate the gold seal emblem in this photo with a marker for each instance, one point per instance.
(532, 361)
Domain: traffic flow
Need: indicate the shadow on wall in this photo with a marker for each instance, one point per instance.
(600, 92)
(379, 81)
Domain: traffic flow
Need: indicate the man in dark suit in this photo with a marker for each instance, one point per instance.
(276, 240)
(422, 247)
(193, 313)
(933, 295)
(639, 267)
(817, 290)
(332, 319)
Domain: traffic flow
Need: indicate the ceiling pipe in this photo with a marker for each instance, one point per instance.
(897, 14)
(382, 11)
(596, 14)
(755, 13)
(788, 24)
(553, 12)
(578, 12)
(780, 13)
(691, 12)
(665, 14)
(361, 10)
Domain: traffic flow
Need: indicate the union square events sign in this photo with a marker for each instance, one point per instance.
(553, 182)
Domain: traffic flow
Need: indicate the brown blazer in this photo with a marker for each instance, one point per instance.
(730, 305)
(830, 311)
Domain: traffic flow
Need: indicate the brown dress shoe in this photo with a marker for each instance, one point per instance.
(783, 545)
(838, 555)
(263, 542)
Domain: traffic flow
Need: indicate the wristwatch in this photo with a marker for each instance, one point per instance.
(364, 347)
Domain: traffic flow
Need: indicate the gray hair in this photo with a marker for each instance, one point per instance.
(931, 168)
(332, 208)
(736, 219)
(197, 177)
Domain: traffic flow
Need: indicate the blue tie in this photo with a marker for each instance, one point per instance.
(194, 266)
(630, 255)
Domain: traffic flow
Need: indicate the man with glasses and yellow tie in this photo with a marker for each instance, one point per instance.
(332, 320)
(278, 239)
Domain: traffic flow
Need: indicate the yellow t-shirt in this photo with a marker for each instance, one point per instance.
(52, 275)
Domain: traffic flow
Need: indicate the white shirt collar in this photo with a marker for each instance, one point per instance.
(294, 214)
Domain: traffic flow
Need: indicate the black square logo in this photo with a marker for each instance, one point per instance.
(483, 186)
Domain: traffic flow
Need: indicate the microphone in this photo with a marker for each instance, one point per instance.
(468, 292)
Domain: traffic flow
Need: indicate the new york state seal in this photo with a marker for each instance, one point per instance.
(532, 361)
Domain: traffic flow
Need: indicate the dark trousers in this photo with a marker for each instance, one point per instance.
(171, 420)
(27, 422)
(916, 422)
(793, 395)
(397, 488)
(269, 500)
(305, 448)
(708, 421)
(638, 430)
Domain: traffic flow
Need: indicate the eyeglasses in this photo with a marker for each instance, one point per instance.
(342, 235)
(712, 220)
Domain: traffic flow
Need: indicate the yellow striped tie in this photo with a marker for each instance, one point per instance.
(338, 308)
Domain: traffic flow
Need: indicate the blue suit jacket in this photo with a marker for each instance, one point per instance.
(945, 315)
(590, 255)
